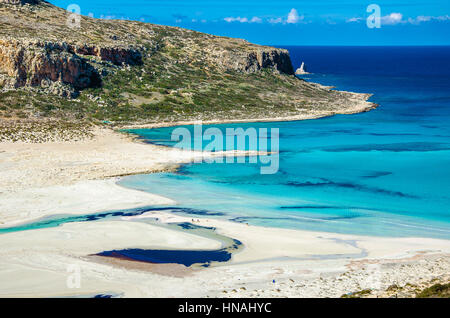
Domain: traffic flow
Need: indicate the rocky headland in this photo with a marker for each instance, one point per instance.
(57, 67)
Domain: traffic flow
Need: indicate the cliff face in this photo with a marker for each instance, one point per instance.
(37, 63)
(275, 60)
(31, 63)
(116, 55)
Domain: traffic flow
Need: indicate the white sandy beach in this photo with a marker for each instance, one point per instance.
(80, 178)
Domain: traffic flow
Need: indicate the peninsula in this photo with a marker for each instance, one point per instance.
(68, 83)
(61, 74)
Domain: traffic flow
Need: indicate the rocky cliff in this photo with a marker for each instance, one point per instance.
(276, 60)
(27, 62)
(37, 63)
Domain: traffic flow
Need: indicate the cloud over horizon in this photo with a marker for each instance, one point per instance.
(286, 22)
(395, 18)
(292, 18)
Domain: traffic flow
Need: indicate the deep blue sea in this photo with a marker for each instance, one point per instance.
(384, 173)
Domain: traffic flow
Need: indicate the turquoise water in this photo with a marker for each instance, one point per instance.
(383, 173)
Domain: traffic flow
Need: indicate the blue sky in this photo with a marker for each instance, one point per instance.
(287, 22)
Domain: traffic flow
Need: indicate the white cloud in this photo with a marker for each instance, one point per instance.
(442, 18)
(397, 18)
(423, 18)
(275, 20)
(391, 19)
(237, 19)
(256, 20)
(293, 17)
(355, 19)
(243, 20)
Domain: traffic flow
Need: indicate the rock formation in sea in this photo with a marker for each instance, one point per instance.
(301, 70)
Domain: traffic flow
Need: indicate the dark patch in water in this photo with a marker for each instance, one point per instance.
(377, 174)
(184, 257)
(394, 147)
(103, 296)
(430, 126)
(313, 219)
(187, 226)
(336, 218)
(190, 226)
(236, 244)
(392, 134)
(176, 176)
(196, 212)
(183, 170)
(353, 186)
(345, 131)
(301, 207)
(244, 219)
